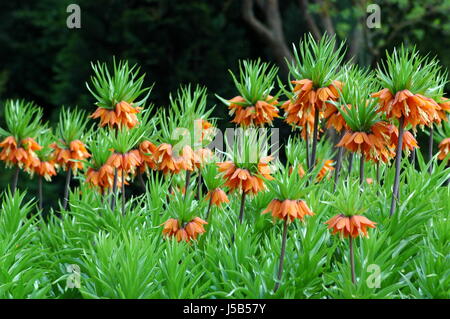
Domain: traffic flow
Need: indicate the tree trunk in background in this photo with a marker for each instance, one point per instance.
(271, 32)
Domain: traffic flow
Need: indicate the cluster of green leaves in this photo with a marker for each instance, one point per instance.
(318, 61)
(246, 147)
(23, 119)
(255, 83)
(191, 107)
(355, 104)
(122, 84)
(406, 69)
(72, 126)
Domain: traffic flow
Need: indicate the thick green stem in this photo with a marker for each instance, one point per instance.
(307, 146)
(209, 207)
(40, 195)
(123, 192)
(283, 252)
(338, 167)
(398, 161)
(361, 170)
(241, 211)
(15, 180)
(188, 180)
(430, 149)
(67, 188)
(352, 260)
(199, 184)
(378, 172)
(350, 163)
(114, 190)
(315, 138)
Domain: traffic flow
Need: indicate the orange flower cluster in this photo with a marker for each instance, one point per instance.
(124, 114)
(445, 108)
(146, 151)
(65, 157)
(334, 118)
(46, 169)
(190, 231)
(307, 99)
(166, 161)
(203, 156)
(261, 113)
(326, 168)
(241, 178)
(22, 155)
(375, 145)
(103, 177)
(288, 209)
(217, 196)
(350, 225)
(125, 162)
(409, 142)
(416, 109)
(444, 148)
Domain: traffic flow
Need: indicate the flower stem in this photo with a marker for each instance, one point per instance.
(398, 161)
(241, 211)
(66, 188)
(378, 172)
(40, 192)
(361, 170)
(188, 180)
(15, 180)
(350, 163)
(315, 137)
(123, 192)
(283, 252)
(307, 145)
(338, 167)
(199, 182)
(209, 207)
(352, 260)
(114, 190)
(430, 149)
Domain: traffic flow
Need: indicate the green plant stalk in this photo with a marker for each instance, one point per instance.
(123, 192)
(283, 252)
(199, 181)
(114, 190)
(361, 170)
(338, 167)
(241, 211)
(398, 161)
(188, 180)
(307, 146)
(350, 163)
(430, 148)
(67, 187)
(315, 137)
(413, 158)
(352, 260)
(209, 208)
(378, 172)
(40, 195)
(15, 180)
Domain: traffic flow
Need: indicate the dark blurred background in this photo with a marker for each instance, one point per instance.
(189, 41)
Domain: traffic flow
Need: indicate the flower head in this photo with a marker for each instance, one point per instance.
(352, 226)
(254, 106)
(116, 94)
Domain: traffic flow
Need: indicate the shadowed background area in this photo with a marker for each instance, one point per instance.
(189, 41)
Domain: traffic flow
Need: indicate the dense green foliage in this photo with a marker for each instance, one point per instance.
(126, 256)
